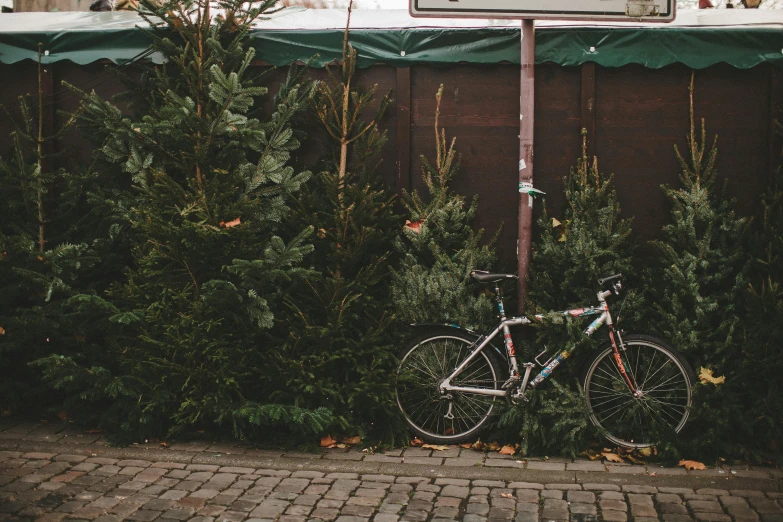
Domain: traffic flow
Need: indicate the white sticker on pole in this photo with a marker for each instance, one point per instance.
(525, 187)
(522, 165)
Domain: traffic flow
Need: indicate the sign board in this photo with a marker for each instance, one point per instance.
(616, 10)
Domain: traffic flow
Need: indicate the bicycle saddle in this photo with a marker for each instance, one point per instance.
(485, 277)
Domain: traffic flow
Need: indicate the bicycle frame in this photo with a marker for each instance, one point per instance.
(519, 388)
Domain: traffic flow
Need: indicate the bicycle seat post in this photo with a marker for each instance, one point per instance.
(499, 299)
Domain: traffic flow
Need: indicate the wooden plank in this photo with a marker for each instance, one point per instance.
(588, 105)
(775, 116)
(403, 104)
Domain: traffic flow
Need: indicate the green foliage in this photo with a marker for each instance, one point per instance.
(696, 287)
(590, 241)
(554, 422)
(440, 248)
(700, 275)
(339, 352)
(39, 267)
(190, 331)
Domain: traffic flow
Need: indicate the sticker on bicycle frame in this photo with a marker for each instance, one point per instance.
(576, 313)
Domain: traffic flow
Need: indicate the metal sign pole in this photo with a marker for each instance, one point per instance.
(526, 128)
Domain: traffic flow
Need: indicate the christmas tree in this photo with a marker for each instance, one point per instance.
(700, 277)
(695, 289)
(41, 266)
(194, 320)
(440, 248)
(590, 241)
(339, 353)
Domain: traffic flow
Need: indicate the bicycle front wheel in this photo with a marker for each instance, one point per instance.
(456, 416)
(662, 403)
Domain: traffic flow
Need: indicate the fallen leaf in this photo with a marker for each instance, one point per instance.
(507, 495)
(633, 459)
(653, 474)
(493, 446)
(691, 464)
(351, 440)
(478, 445)
(62, 415)
(94, 431)
(555, 223)
(436, 447)
(646, 452)
(612, 457)
(508, 449)
(2, 330)
(327, 441)
(340, 446)
(232, 223)
(705, 376)
(466, 445)
(416, 442)
(321, 233)
(164, 445)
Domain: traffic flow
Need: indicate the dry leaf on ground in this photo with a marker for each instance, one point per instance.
(691, 464)
(466, 445)
(705, 376)
(612, 457)
(327, 441)
(351, 440)
(493, 446)
(508, 449)
(2, 330)
(478, 445)
(436, 447)
(507, 495)
(416, 442)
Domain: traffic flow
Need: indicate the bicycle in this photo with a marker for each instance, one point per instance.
(449, 379)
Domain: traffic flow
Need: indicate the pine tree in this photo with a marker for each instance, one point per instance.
(696, 289)
(194, 321)
(590, 241)
(701, 272)
(339, 353)
(440, 247)
(39, 268)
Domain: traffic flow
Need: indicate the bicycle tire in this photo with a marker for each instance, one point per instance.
(424, 363)
(652, 364)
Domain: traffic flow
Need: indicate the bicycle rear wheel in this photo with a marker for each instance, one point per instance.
(663, 379)
(424, 364)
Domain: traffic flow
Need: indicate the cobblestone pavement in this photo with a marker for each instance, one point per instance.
(53, 473)
(50, 487)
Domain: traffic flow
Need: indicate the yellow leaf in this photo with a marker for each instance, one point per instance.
(493, 446)
(508, 449)
(466, 445)
(507, 495)
(555, 223)
(351, 440)
(705, 376)
(562, 239)
(612, 457)
(691, 464)
(327, 441)
(341, 446)
(435, 447)
(478, 445)
(646, 452)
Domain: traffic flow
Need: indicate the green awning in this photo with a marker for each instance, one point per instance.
(698, 39)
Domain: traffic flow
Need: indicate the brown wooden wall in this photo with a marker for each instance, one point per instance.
(634, 117)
